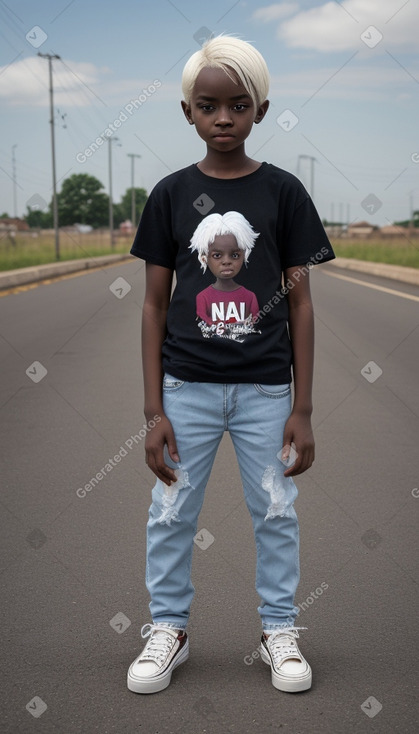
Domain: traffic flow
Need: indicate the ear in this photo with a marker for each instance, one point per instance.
(187, 112)
(261, 111)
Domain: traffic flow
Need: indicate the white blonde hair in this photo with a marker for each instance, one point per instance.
(218, 224)
(227, 53)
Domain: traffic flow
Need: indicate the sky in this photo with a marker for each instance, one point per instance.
(344, 96)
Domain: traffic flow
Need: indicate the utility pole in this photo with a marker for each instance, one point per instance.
(14, 181)
(110, 190)
(54, 178)
(312, 161)
(132, 156)
(411, 215)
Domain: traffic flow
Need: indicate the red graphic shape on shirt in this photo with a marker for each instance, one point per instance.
(226, 313)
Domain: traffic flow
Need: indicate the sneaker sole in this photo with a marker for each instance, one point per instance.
(285, 684)
(159, 682)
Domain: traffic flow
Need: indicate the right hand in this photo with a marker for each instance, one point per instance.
(162, 434)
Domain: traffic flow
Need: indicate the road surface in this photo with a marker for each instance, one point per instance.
(72, 573)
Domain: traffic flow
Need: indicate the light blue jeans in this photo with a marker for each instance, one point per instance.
(255, 416)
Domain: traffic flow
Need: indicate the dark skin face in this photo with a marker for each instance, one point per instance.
(223, 114)
(225, 260)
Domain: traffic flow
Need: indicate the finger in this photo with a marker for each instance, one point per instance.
(166, 475)
(303, 462)
(295, 468)
(158, 466)
(285, 451)
(172, 449)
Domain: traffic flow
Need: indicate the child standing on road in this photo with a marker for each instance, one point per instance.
(204, 386)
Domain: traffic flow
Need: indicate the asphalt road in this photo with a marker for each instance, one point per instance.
(72, 570)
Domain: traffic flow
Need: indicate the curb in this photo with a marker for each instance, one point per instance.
(22, 276)
(382, 270)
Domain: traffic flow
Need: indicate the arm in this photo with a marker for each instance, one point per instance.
(301, 325)
(156, 304)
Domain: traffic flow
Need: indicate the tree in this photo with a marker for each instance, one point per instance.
(407, 222)
(82, 200)
(38, 218)
(124, 208)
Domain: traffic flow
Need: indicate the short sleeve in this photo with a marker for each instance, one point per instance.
(154, 241)
(305, 239)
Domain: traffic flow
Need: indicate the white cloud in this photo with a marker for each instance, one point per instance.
(335, 26)
(274, 12)
(362, 82)
(26, 82)
(76, 84)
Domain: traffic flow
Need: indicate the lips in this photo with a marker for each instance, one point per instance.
(225, 136)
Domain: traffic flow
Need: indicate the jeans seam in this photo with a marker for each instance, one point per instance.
(272, 396)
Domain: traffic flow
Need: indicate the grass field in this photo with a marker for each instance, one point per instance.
(31, 248)
(397, 251)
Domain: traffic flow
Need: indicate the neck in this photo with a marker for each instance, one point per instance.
(225, 285)
(231, 164)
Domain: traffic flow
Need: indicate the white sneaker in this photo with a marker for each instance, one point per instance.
(290, 671)
(165, 650)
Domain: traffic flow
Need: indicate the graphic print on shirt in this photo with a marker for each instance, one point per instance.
(225, 308)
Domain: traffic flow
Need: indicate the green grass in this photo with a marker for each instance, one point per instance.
(397, 251)
(33, 249)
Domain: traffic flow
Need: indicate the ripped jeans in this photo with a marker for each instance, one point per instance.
(255, 416)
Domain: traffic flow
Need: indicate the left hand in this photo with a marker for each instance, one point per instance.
(298, 433)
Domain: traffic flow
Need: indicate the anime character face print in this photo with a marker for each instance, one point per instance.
(225, 260)
(225, 309)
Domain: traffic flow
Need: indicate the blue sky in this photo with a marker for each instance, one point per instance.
(344, 90)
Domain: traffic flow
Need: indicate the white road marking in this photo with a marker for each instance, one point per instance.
(372, 285)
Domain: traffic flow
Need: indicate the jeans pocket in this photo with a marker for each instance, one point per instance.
(274, 391)
(171, 383)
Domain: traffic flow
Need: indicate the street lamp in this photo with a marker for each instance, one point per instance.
(110, 139)
(132, 156)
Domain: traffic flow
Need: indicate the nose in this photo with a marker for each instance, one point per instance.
(224, 116)
(226, 259)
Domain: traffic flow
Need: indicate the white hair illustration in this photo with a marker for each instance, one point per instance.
(229, 53)
(218, 224)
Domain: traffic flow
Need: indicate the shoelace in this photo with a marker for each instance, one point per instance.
(282, 643)
(159, 645)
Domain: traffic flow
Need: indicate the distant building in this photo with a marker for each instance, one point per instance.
(335, 230)
(9, 224)
(126, 227)
(393, 230)
(360, 229)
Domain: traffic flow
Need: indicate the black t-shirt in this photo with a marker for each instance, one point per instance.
(213, 336)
